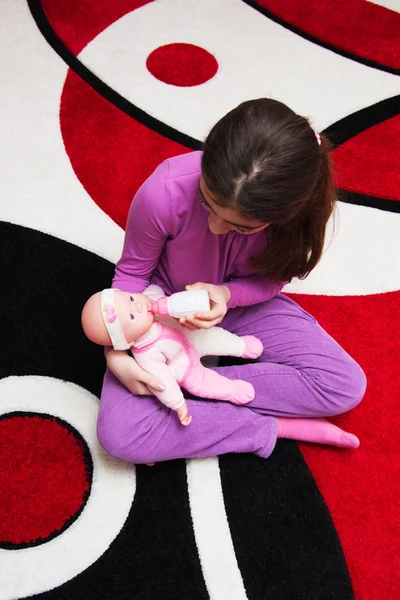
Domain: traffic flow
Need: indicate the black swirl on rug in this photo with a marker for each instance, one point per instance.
(283, 535)
(45, 283)
(338, 132)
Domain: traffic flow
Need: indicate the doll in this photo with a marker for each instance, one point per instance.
(166, 349)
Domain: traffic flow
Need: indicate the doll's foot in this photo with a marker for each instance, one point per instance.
(253, 347)
(243, 393)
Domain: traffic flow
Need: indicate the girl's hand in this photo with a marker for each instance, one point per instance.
(136, 379)
(219, 298)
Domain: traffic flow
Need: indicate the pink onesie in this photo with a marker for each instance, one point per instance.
(172, 353)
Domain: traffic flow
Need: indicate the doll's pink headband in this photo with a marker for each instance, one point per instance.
(111, 320)
(318, 138)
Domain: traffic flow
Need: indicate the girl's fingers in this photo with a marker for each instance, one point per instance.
(208, 316)
(186, 323)
(203, 320)
(199, 285)
(140, 389)
(216, 312)
(202, 324)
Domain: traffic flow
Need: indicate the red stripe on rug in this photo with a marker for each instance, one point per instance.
(362, 28)
(77, 22)
(369, 162)
(111, 153)
(362, 487)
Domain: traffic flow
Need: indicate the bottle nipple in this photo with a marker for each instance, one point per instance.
(159, 307)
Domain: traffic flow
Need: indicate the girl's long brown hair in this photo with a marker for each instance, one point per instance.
(265, 161)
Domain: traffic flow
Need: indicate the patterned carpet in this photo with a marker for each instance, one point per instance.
(94, 94)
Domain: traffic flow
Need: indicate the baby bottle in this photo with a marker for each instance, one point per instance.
(182, 304)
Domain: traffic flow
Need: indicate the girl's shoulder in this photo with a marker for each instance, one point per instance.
(169, 193)
(168, 171)
(183, 165)
(175, 181)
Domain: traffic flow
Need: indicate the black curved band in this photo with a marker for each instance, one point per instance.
(338, 132)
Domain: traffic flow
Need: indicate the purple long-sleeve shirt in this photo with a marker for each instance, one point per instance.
(168, 241)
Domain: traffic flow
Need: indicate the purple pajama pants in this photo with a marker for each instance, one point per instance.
(302, 372)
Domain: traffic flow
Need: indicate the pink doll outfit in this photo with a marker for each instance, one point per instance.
(172, 353)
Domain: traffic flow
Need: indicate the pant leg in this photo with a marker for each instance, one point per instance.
(139, 429)
(302, 371)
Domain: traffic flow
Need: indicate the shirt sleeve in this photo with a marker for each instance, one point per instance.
(253, 289)
(148, 227)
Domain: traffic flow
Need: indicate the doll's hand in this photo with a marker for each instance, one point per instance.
(219, 298)
(183, 416)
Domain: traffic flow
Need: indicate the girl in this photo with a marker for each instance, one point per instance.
(239, 219)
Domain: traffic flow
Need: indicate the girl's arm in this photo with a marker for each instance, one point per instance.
(243, 291)
(150, 222)
(126, 369)
(253, 289)
(148, 226)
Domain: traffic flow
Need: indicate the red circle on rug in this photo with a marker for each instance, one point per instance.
(45, 478)
(183, 65)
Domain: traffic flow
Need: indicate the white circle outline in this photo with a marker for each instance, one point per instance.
(29, 571)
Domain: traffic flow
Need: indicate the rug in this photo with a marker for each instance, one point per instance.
(95, 94)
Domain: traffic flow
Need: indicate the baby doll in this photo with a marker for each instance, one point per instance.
(166, 349)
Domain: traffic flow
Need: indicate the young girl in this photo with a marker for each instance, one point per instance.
(240, 219)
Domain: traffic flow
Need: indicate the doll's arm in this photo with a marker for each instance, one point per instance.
(154, 292)
(154, 362)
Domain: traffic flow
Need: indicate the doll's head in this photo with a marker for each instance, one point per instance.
(116, 318)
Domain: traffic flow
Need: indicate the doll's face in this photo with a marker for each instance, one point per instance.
(133, 314)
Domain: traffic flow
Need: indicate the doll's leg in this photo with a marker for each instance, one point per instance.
(206, 383)
(220, 342)
(140, 430)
